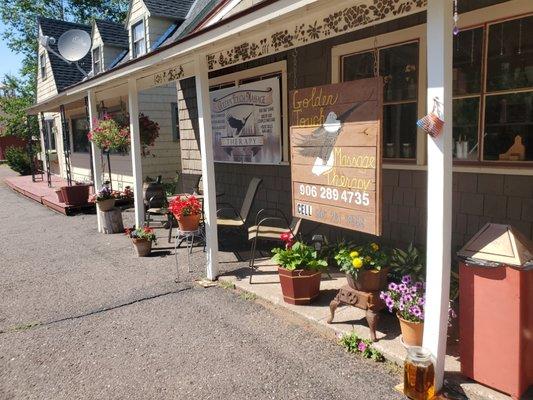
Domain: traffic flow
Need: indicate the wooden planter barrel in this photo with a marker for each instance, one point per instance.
(76, 195)
(299, 286)
(369, 281)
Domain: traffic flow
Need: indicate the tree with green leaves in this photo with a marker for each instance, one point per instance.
(20, 35)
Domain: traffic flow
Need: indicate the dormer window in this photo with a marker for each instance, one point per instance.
(138, 39)
(97, 62)
(42, 63)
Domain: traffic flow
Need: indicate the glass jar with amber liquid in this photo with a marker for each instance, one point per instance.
(419, 374)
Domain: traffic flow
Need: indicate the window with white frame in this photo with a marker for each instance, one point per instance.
(42, 65)
(398, 65)
(493, 92)
(97, 61)
(138, 39)
(80, 129)
(175, 122)
(49, 131)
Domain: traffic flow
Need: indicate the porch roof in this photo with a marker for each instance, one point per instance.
(264, 21)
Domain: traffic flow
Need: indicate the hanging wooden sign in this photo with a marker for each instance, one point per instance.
(336, 154)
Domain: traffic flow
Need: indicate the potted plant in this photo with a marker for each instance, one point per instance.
(410, 261)
(365, 266)
(149, 132)
(300, 268)
(75, 195)
(407, 299)
(108, 134)
(187, 210)
(142, 239)
(104, 199)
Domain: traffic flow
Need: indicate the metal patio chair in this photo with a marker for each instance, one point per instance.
(270, 228)
(156, 206)
(237, 219)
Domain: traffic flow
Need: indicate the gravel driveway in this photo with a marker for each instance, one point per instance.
(82, 318)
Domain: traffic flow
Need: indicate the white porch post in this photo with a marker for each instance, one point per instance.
(96, 152)
(439, 207)
(208, 166)
(133, 105)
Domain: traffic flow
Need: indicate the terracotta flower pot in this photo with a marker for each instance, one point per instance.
(189, 223)
(299, 286)
(105, 205)
(412, 332)
(142, 246)
(369, 281)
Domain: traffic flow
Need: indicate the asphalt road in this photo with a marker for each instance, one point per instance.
(82, 318)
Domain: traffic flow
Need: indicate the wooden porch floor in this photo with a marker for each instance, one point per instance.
(41, 193)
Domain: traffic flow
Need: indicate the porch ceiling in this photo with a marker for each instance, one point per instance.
(271, 27)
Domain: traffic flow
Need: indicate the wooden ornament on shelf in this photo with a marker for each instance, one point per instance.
(517, 152)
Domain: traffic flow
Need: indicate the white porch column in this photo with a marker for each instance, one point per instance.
(95, 150)
(208, 166)
(439, 207)
(133, 107)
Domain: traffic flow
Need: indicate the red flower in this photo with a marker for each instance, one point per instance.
(185, 206)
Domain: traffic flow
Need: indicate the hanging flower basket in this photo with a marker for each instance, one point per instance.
(109, 134)
(149, 132)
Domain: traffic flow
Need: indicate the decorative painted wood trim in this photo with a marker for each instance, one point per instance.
(315, 27)
(165, 76)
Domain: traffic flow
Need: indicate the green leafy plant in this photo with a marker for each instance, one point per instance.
(353, 259)
(18, 160)
(298, 255)
(355, 344)
(145, 233)
(407, 262)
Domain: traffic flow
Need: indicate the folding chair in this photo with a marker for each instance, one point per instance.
(237, 219)
(265, 229)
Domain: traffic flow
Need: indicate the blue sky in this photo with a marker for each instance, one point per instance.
(9, 61)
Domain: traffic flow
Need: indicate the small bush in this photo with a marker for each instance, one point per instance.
(18, 160)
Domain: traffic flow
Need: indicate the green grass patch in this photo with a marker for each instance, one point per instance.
(228, 285)
(248, 296)
(24, 327)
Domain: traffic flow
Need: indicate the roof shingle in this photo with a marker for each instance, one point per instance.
(112, 33)
(65, 74)
(175, 9)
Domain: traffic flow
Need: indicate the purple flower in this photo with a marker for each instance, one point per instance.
(421, 301)
(406, 279)
(419, 285)
(393, 286)
(361, 346)
(389, 303)
(407, 298)
(413, 290)
(383, 295)
(401, 306)
(402, 287)
(416, 311)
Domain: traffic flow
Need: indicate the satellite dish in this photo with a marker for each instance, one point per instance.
(74, 44)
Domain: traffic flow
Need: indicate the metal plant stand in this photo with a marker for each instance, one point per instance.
(189, 237)
(368, 301)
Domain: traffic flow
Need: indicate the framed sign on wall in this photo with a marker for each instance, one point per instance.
(246, 122)
(336, 154)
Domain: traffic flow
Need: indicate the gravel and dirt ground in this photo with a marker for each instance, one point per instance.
(82, 318)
